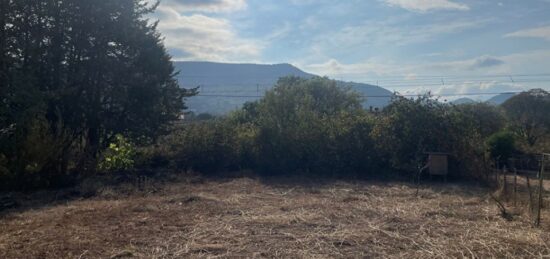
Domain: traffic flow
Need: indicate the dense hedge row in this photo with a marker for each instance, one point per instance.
(316, 127)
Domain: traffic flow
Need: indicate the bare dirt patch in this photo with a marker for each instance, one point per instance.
(250, 218)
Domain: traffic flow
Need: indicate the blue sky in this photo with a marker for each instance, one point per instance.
(411, 46)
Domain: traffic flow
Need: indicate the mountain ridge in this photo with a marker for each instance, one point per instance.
(227, 86)
(500, 98)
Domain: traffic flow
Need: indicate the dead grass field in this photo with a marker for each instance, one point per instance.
(243, 217)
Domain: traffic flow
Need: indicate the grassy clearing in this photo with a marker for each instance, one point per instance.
(252, 218)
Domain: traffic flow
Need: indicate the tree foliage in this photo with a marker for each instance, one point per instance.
(501, 146)
(301, 125)
(529, 115)
(81, 80)
(120, 155)
(408, 128)
(317, 127)
(300, 122)
(77, 73)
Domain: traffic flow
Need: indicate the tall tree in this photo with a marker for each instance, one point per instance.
(87, 70)
(301, 123)
(528, 113)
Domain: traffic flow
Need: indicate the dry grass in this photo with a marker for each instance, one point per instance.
(250, 218)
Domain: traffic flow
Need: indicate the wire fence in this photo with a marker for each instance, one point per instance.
(524, 182)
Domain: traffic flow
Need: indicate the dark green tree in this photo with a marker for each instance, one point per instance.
(310, 125)
(408, 128)
(471, 124)
(501, 146)
(529, 115)
(78, 73)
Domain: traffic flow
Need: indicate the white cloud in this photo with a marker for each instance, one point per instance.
(381, 34)
(484, 89)
(200, 37)
(421, 78)
(334, 68)
(540, 32)
(411, 72)
(427, 5)
(475, 75)
(479, 63)
(280, 32)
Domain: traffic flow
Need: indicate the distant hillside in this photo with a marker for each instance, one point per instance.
(217, 81)
(463, 101)
(501, 98)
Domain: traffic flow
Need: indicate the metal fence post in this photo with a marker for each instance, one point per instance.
(541, 189)
(515, 186)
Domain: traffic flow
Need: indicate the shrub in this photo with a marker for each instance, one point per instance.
(316, 127)
(118, 156)
(205, 146)
(501, 146)
(528, 117)
(472, 124)
(407, 128)
(31, 155)
(301, 124)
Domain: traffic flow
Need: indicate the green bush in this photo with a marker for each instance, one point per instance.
(4, 170)
(119, 155)
(303, 125)
(472, 124)
(300, 126)
(315, 127)
(205, 146)
(30, 155)
(528, 118)
(501, 146)
(408, 128)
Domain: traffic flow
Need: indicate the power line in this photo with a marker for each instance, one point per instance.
(439, 83)
(365, 96)
(401, 81)
(486, 79)
(243, 89)
(400, 84)
(434, 77)
(252, 75)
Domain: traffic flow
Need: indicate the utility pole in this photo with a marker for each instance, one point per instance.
(541, 189)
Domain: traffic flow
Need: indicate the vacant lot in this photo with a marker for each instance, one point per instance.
(252, 218)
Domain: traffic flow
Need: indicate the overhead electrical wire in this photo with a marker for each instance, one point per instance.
(365, 96)
(436, 81)
(417, 81)
(383, 76)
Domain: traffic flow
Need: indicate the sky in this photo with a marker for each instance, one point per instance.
(409, 46)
